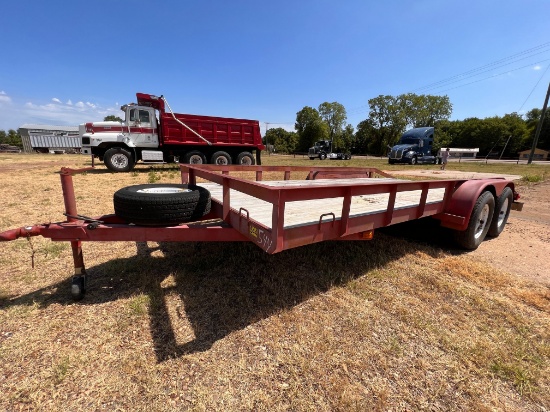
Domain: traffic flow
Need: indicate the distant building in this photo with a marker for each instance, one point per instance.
(539, 154)
(46, 139)
(460, 152)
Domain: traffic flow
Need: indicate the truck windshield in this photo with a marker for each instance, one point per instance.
(409, 140)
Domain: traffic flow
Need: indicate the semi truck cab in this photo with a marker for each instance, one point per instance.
(414, 146)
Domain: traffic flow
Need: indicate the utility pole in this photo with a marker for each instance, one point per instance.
(539, 127)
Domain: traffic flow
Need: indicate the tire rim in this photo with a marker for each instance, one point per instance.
(163, 190)
(195, 160)
(502, 212)
(119, 160)
(246, 161)
(482, 221)
(222, 161)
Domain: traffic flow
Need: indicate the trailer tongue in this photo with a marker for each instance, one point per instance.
(305, 205)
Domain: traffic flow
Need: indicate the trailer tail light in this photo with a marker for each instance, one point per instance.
(368, 235)
(516, 195)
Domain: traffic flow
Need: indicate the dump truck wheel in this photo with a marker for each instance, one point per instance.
(245, 159)
(502, 211)
(194, 158)
(118, 159)
(161, 204)
(480, 220)
(221, 159)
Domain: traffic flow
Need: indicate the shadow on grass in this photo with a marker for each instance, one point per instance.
(225, 287)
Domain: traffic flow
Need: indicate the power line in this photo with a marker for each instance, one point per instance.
(479, 70)
(534, 88)
(498, 63)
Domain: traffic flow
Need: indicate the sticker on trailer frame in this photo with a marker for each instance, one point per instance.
(262, 237)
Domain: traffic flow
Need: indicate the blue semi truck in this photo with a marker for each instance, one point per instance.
(415, 146)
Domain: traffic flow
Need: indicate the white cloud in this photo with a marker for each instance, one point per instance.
(537, 67)
(54, 112)
(4, 98)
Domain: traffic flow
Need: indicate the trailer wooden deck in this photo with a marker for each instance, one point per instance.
(306, 212)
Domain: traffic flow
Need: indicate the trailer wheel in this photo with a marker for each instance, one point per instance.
(161, 204)
(245, 159)
(502, 211)
(118, 159)
(480, 220)
(194, 158)
(221, 159)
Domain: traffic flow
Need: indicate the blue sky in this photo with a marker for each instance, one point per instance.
(64, 63)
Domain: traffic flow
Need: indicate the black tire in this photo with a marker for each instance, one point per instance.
(245, 159)
(413, 160)
(390, 161)
(194, 158)
(161, 204)
(480, 220)
(322, 155)
(221, 159)
(312, 158)
(118, 159)
(502, 211)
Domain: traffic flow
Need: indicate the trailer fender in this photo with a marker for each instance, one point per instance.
(459, 208)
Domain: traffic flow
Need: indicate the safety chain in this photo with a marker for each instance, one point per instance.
(32, 249)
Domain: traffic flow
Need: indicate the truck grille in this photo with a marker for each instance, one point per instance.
(311, 151)
(396, 154)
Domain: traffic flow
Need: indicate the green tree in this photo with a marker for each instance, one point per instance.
(112, 118)
(310, 128)
(364, 136)
(532, 118)
(12, 138)
(282, 140)
(334, 115)
(347, 139)
(388, 119)
(424, 110)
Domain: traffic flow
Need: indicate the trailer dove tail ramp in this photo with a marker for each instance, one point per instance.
(277, 208)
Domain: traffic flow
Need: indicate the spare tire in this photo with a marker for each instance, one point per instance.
(161, 204)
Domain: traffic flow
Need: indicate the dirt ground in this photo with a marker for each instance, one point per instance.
(523, 248)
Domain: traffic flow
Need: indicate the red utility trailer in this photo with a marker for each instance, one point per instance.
(297, 206)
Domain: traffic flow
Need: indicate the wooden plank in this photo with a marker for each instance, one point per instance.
(307, 212)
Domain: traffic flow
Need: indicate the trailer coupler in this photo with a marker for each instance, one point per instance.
(26, 232)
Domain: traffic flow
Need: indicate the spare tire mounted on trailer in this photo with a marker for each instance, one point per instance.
(161, 204)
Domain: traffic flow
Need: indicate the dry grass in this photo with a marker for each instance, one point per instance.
(384, 325)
